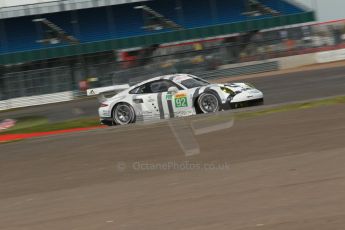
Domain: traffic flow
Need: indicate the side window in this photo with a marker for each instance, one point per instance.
(159, 86)
(163, 86)
(144, 89)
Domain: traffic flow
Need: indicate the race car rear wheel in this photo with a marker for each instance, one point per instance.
(208, 103)
(123, 114)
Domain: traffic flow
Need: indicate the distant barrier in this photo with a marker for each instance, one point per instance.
(243, 69)
(36, 100)
(330, 56)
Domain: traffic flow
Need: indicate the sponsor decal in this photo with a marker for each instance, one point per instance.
(6, 124)
(169, 97)
(184, 113)
(180, 95)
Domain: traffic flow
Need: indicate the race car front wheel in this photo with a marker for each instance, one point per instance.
(123, 114)
(208, 103)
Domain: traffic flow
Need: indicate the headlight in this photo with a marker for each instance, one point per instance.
(104, 105)
(228, 91)
(250, 85)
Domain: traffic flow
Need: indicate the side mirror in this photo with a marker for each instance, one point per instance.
(172, 90)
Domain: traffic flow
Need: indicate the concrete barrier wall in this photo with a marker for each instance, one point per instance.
(285, 62)
(330, 56)
(296, 61)
(36, 100)
(241, 69)
(267, 65)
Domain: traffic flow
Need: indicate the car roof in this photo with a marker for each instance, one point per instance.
(166, 77)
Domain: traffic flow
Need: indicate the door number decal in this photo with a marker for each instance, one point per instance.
(181, 100)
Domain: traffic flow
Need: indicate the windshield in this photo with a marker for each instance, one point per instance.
(194, 82)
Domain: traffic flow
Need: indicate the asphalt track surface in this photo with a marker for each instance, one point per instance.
(282, 88)
(283, 171)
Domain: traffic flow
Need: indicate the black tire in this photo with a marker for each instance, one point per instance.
(123, 114)
(208, 103)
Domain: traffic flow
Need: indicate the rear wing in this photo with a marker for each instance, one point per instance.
(99, 92)
(102, 90)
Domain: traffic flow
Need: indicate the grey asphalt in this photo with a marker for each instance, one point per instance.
(282, 88)
(283, 171)
(300, 86)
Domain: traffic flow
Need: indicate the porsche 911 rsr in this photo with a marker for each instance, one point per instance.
(172, 96)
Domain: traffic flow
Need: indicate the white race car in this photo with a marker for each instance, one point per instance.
(172, 96)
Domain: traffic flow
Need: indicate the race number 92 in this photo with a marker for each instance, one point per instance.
(181, 102)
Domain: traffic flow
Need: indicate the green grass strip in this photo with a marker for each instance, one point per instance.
(292, 107)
